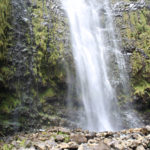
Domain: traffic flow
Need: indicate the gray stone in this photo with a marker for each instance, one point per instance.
(148, 128)
(39, 146)
(141, 147)
(78, 138)
(59, 138)
(100, 146)
(73, 145)
(90, 135)
(64, 130)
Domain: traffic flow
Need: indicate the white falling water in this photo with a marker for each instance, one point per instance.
(94, 45)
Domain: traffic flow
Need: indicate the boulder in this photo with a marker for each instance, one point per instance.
(100, 146)
(78, 138)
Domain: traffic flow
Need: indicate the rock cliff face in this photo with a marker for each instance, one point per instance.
(34, 53)
(133, 20)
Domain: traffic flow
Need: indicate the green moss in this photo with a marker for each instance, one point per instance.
(46, 94)
(7, 99)
(4, 25)
(7, 147)
(48, 66)
(147, 110)
(22, 143)
(66, 136)
(141, 88)
(138, 31)
(45, 47)
(9, 103)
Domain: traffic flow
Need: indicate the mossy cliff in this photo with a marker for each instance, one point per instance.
(34, 44)
(8, 98)
(134, 24)
(35, 49)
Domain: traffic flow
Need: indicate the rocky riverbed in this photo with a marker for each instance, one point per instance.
(59, 138)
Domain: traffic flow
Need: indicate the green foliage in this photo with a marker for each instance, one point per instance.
(66, 136)
(138, 31)
(141, 88)
(50, 50)
(4, 38)
(5, 74)
(8, 103)
(4, 24)
(46, 94)
(47, 74)
(7, 147)
(8, 100)
(21, 143)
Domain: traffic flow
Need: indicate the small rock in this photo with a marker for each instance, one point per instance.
(22, 148)
(78, 138)
(28, 143)
(78, 130)
(119, 145)
(64, 130)
(107, 141)
(62, 146)
(50, 143)
(131, 143)
(31, 148)
(39, 146)
(43, 138)
(141, 147)
(100, 146)
(59, 138)
(16, 144)
(91, 141)
(54, 148)
(73, 145)
(83, 147)
(148, 128)
(90, 135)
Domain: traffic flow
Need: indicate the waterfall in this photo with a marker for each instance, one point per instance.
(98, 61)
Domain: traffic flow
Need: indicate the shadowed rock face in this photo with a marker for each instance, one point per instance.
(122, 6)
(35, 84)
(58, 138)
(133, 22)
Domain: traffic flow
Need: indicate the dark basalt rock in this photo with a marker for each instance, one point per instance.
(129, 6)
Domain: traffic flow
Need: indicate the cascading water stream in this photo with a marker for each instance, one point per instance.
(93, 45)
